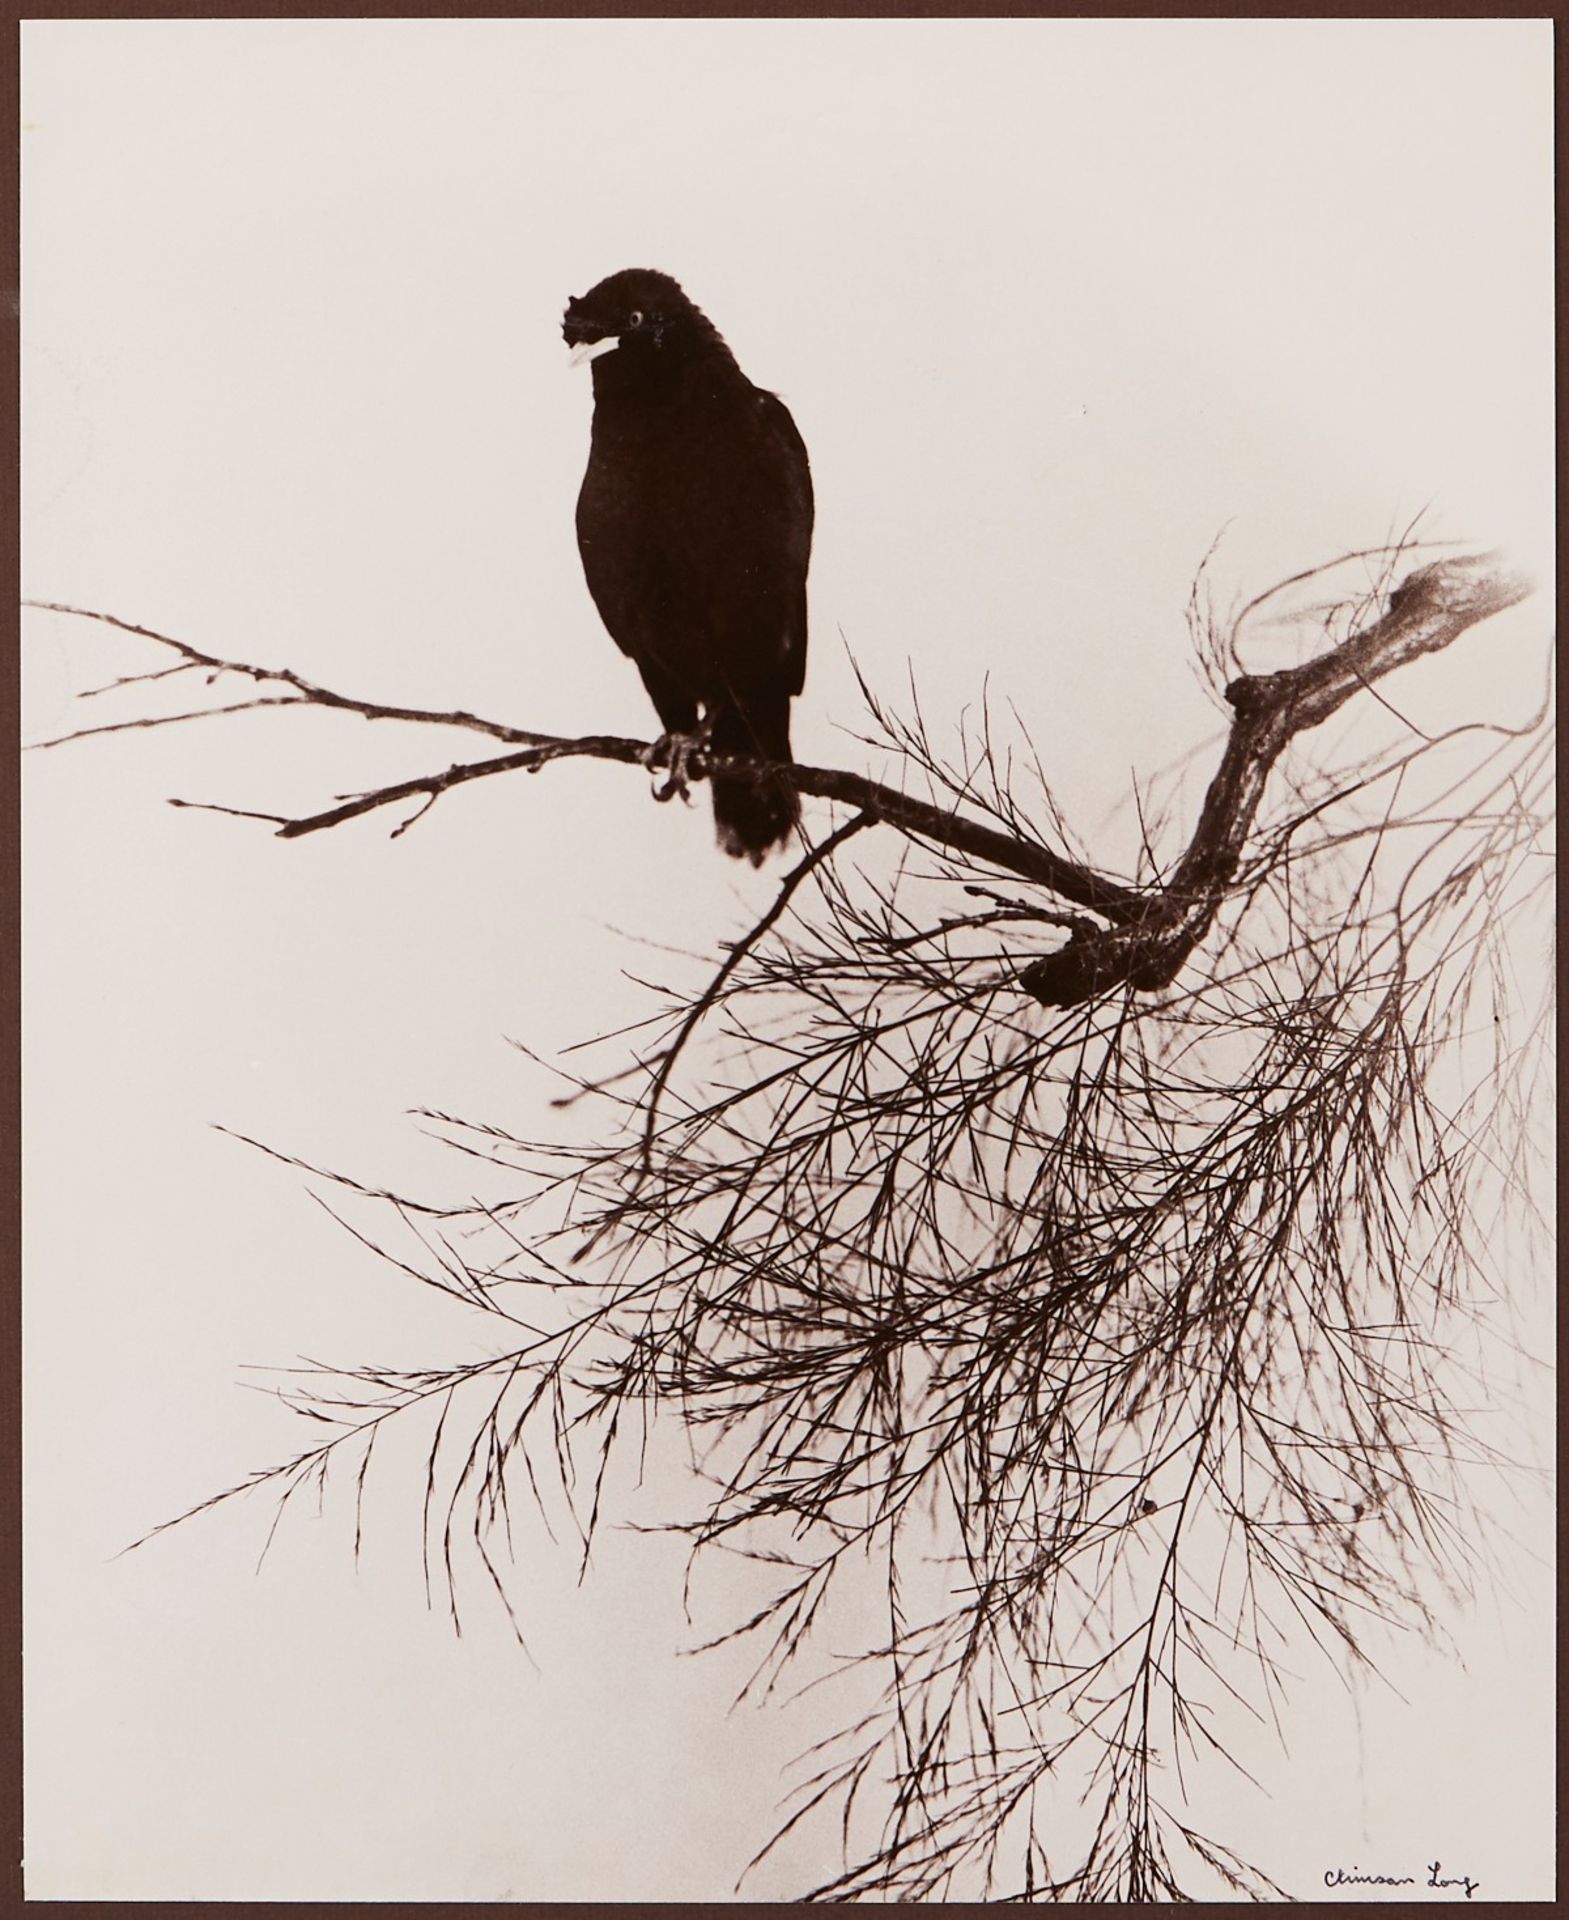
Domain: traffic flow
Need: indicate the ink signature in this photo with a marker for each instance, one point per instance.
(1436, 1879)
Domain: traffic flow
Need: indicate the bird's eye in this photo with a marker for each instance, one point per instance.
(635, 317)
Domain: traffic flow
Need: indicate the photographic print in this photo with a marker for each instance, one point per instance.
(788, 924)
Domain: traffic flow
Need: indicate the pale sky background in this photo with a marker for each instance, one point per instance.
(1053, 303)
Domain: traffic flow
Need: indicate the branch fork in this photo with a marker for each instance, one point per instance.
(1428, 610)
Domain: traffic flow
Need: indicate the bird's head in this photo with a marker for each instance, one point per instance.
(638, 311)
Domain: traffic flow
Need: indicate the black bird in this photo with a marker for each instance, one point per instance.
(695, 527)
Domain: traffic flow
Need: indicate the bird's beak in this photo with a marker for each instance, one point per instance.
(588, 350)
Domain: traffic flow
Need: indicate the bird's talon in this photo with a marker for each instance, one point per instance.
(679, 754)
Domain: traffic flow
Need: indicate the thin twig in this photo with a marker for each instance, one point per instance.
(824, 850)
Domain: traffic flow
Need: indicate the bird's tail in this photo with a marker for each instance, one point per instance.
(753, 812)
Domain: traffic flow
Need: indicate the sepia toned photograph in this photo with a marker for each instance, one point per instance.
(788, 915)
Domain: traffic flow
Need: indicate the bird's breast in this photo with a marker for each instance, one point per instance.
(695, 530)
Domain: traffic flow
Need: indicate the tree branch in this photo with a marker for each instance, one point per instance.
(192, 659)
(1151, 931)
(1431, 608)
(1029, 859)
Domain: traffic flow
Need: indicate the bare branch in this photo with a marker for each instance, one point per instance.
(193, 659)
(1433, 607)
(1152, 931)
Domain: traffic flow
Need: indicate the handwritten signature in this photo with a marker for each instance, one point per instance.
(1355, 1877)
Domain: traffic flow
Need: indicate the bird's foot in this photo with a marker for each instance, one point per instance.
(681, 755)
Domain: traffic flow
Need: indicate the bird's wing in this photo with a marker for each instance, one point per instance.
(797, 513)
